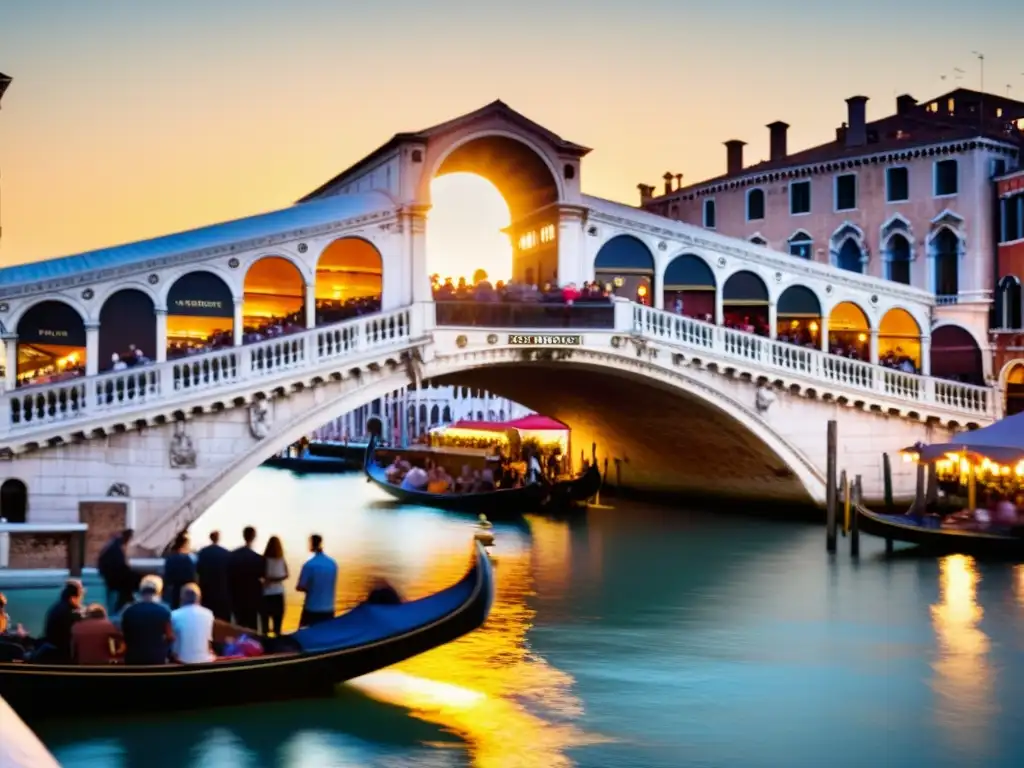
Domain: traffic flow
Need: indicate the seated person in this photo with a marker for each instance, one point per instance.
(415, 480)
(95, 639)
(146, 625)
(192, 625)
(382, 593)
(464, 482)
(6, 626)
(438, 481)
(485, 483)
(60, 620)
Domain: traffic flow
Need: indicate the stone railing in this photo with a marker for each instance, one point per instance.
(532, 315)
(28, 408)
(814, 364)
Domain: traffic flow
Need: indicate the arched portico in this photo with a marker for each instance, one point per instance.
(349, 280)
(14, 500)
(689, 287)
(128, 329)
(625, 266)
(799, 317)
(746, 304)
(956, 355)
(52, 343)
(274, 299)
(850, 332)
(1012, 380)
(527, 176)
(201, 314)
(900, 341)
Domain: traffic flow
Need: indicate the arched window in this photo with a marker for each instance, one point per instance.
(447, 414)
(709, 214)
(800, 245)
(755, 205)
(435, 415)
(1008, 304)
(946, 266)
(850, 257)
(898, 259)
(625, 266)
(14, 501)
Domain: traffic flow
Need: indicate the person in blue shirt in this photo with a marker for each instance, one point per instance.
(319, 581)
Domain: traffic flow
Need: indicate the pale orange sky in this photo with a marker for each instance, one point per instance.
(129, 120)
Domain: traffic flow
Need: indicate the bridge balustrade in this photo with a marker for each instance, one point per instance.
(73, 399)
(538, 315)
(675, 329)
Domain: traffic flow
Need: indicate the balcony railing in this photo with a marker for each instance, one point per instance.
(811, 363)
(526, 315)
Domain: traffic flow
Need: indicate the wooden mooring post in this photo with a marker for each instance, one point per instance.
(919, 491)
(887, 481)
(858, 499)
(831, 492)
(845, 492)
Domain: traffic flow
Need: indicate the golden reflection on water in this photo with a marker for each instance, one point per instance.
(551, 555)
(487, 686)
(963, 676)
(1018, 584)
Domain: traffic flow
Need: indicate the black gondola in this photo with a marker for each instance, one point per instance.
(309, 464)
(508, 504)
(580, 488)
(308, 662)
(928, 533)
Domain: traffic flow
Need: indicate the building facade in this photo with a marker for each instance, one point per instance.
(907, 198)
(1008, 317)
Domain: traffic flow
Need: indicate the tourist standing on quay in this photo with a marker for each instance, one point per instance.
(118, 576)
(179, 570)
(212, 573)
(272, 610)
(245, 581)
(319, 581)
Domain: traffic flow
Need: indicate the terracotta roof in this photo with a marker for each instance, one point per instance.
(897, 132)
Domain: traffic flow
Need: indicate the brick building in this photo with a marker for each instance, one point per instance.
(1008, 317)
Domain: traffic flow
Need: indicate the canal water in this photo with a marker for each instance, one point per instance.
(638, 637)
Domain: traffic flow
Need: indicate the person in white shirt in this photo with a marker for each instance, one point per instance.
(193, 628)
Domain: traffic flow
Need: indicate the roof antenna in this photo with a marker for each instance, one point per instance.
(981, 101)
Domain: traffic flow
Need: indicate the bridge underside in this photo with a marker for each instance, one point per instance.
(657, 441)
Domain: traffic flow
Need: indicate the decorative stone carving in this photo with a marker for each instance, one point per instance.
(260, 419)
(119, 489)
(414, 366)
(182, 453)
(763, 399)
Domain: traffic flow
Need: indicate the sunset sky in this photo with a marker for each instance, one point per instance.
(127, 120)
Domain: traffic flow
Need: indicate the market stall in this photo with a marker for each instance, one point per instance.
(482, 435)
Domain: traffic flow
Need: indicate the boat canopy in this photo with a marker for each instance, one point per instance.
(1001, 442)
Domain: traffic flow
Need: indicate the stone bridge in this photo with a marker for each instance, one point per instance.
(676, 403)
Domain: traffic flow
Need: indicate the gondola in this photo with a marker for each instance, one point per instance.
(509, 504)
(580, 488)
(928, 533)
(308, 464)
(309, 662)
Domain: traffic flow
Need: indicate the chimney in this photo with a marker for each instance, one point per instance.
(856, 117)
(905, 104)
(668, 182)
(777, 140)
(734, 156)
(679, 181)
(646, 193)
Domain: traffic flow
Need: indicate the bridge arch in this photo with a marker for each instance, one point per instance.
(689, 280)
(51, 340)
(849, 329)
(625, 262)
(1011, 381)
(760, 459)
(349, 269)
(127, 320)
(273, 294)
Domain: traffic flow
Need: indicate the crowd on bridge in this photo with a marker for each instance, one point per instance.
(186, 616)
(484, 291)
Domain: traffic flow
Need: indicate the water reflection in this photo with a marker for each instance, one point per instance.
(510, 706)
(963, 677)
(1018, 584)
